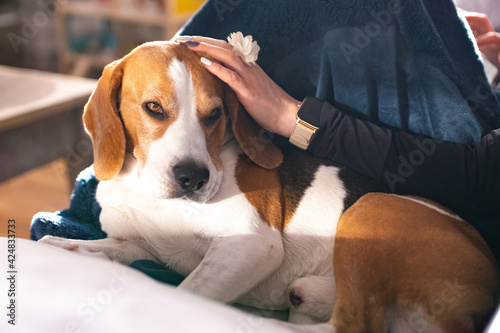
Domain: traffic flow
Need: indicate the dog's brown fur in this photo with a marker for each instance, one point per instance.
(435, 267)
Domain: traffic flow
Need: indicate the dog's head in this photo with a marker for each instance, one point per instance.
(160, 105)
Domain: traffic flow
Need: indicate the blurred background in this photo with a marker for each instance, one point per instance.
(51, 52)
(75, 36)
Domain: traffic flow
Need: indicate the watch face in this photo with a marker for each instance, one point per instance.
(310, 111)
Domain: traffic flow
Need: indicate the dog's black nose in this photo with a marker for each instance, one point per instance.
(191, 177)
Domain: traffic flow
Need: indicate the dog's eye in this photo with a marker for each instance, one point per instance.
(154, 109)
(213, 116)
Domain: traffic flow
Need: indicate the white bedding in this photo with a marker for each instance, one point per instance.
(60, 291)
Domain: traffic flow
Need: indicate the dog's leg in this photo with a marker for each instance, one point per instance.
(311, 299)
(239, 255)
(357, 312)
(414, 320)
(235, 264)
(120, 250)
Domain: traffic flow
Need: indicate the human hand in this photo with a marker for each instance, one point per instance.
(487, 39)
(270, 106)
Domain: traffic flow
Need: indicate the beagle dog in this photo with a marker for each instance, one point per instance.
(189, 180)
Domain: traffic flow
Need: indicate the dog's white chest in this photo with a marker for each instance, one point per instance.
(180, 233)
(308, 240)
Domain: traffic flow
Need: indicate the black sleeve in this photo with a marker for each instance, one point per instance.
(465, 178)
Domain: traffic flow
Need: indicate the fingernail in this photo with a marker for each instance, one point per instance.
(183, 39)
(206, 61)
(192, 43)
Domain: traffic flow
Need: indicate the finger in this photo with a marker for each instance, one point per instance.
(227, 75)
(212, 41)
(479, 23)
(201, 39)
(491, 39)
(223, 55)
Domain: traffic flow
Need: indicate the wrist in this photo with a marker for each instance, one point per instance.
(288, 119)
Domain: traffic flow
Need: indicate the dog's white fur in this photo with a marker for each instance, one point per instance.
(223, 247)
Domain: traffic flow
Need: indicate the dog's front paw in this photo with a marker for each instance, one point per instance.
(79, 246)
(64, 243)
(311, 299)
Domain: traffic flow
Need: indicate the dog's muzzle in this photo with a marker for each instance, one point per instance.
(191, 178)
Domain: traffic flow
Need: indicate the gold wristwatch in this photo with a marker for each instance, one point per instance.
(306, 128)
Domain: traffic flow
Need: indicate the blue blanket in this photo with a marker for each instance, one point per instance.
(80, 220)
(407, 64)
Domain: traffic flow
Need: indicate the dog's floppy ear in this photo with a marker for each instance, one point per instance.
(103, 123)
(253, 139)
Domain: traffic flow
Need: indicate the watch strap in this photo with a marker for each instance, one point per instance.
(303, 134)
(308, 116)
